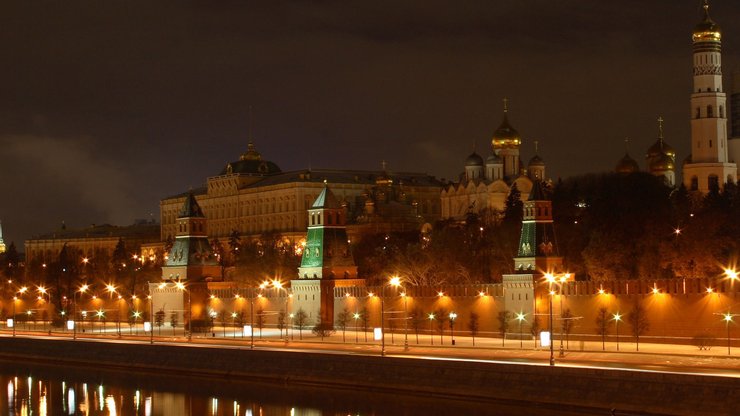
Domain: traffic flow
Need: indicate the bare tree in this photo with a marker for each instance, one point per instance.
(441, 317)
(567, 325)
(342, 322)
(638, 321)
(173, 321)
(260, 320)
(602, 325)
(301, 318)
(417, 318)
(365, 318)
(473, 325)
(503, 325)
(281, 323)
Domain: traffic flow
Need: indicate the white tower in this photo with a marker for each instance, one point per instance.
(708, 165)
(2, 244)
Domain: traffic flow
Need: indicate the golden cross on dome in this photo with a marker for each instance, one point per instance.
(506, 104)
(536, 146)
(660, 127)
(626, 143)
(384, 164)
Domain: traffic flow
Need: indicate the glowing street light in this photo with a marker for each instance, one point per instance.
(82, 289)
(431, 331)
(617, 318)
(453, 316)
(520, 317)
(356, 316)
(395, 281)
(731, 274)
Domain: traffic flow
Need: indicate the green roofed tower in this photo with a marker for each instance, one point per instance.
(326, 263)
(191, 257)
(327, 253)
(538, 248)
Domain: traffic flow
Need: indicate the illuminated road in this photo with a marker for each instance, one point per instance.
(678, 359)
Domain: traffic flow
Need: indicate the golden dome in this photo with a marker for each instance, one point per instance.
(662, 163)
(505, 136)
(707, 30)
(251, 154)
(627, 165)
(660, 147)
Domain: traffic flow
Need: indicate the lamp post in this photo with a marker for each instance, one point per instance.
(616, 318)
(431, 330)
(292, 331)
(278, 285)
(453, 316)
(728, 318)
(82, 289)
(151, 318)
(520, 317)
(356, 316)
(181, 286)
(396, 282)
(382, 323)
(563, 279)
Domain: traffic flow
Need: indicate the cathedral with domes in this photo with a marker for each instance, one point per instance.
(660, 159)
(485, 184)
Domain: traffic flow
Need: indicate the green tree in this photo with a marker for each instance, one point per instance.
(158, 320)
(513, 207)
(173, 321)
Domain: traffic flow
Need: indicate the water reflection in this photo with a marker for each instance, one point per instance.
(61, 391)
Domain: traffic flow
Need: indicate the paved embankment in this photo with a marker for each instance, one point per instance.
(627, 391)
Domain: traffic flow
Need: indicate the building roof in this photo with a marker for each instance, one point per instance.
(190, 208)
(326, 199)
(538, 192)
(148, 230)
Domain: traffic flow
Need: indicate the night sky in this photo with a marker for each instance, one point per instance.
(108, 106)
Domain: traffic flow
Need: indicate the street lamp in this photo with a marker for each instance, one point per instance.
(431, 330)
(728, 318)
(82, 289)
(520, 317)
(616, 318)
(181, 287)
(453, 316)
(396, 282)
(356, 316)
(151, 318)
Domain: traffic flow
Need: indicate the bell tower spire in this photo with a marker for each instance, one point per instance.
(709, 165)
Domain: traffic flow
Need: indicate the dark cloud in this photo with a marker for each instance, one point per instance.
(160, 91)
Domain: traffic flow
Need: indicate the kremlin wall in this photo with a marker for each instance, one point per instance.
(325, 210)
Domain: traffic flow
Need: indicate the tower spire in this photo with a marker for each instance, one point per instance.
(506, 105)
(660, 128)
(626, 144)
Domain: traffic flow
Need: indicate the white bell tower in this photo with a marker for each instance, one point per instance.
(709, 164)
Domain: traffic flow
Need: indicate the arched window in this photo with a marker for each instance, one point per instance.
(698, 112)
(694, 183)
(710, 111)
(713, 182)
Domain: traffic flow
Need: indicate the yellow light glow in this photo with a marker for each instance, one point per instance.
(656, 291)
(520, 316)
(601, 291)
(370, 294)
(727, 317)
(732, 274)
(180, 286)
(552, 293)
(440, 294)
(549, 277)
(213, 296)
(617, 317)
(356, 316)
(110, 288)
(431, 316)
(710, 290)
(395, 281)
(23, 289)
(84, 288)
(481, 294)
(346, 295)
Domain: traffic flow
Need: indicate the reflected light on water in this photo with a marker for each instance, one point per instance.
(101, 403)
(43, 406)
(71, 401)
(148, 406)
(11, 393)
(110, 404)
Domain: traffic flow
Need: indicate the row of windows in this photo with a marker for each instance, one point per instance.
(710, 112)
(712, 182)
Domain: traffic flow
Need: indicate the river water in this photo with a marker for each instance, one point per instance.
(29, 390)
